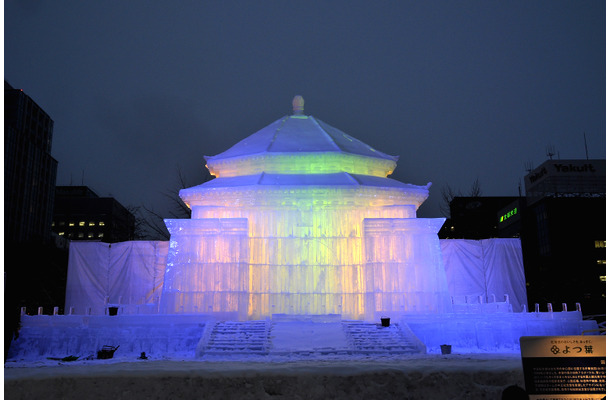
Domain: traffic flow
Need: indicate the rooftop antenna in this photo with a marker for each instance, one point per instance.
(584, 134)
(550, 152)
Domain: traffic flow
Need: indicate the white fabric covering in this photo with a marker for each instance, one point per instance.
(490, 268)
(127, 273)
(131, 273)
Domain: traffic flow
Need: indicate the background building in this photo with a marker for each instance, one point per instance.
(35, 269)
(561, 222)
(29, 169)
(80, 214)
(563, 234)
(474, 217)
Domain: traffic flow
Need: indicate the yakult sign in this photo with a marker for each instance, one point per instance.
(558, 170)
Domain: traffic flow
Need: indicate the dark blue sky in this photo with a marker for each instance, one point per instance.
(460, 90)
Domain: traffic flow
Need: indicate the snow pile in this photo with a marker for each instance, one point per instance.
(414, 377)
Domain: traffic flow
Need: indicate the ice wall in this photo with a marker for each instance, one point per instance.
(404, 267)
(313, 251)
(207, 269)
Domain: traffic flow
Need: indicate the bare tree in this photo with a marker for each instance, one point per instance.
(150, 223)
(448, 194)
(475, 189)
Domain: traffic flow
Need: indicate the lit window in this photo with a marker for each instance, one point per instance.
(101, 223)
(602, 278)
(600, 244)
(81, 235)
(601, 262)
(100, 235)
(53, 223)
(61, 233)
(90, 235)
(71, 224)
(91, 223)
(82, 223)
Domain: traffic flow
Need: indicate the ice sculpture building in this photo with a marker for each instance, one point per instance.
(303, 219)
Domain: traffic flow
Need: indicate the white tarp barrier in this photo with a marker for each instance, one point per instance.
(131, 273)
(490, 268)
(126, 273)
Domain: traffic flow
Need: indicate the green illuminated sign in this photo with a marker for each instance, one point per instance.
(509, 214)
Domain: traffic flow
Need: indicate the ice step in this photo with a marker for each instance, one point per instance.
(238, 337)
(373, 338)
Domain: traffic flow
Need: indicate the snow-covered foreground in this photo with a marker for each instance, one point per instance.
(290, 357)
(454, 376)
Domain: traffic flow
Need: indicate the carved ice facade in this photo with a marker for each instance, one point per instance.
(302, 219)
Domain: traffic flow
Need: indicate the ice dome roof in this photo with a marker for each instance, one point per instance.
(312, 146)
(299, 134)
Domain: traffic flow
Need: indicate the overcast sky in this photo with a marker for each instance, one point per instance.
(460, 90)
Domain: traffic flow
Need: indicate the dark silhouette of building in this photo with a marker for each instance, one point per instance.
(35, 270)
(473, 217)
(561, 223)
(29, 170)
(563, 234)
(80, 214)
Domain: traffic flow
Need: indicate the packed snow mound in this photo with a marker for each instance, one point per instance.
(416, 377)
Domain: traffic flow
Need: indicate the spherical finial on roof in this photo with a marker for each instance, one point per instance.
(298, 105)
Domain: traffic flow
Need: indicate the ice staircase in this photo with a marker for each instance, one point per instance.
(370, 338)
(235, 337)
(264, 337)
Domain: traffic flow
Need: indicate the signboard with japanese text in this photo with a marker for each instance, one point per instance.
(564, 367)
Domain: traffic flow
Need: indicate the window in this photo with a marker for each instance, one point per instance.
(81, 223)
(53, 223)
(62, 223)
(61, 233)
(100, 235)
(71, 224)
(101, 223)
(90, 235)
(602, 278)
(81, 235)
(601, 262)
(600, 244)
(91, 223)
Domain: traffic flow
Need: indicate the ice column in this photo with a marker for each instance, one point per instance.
(404, 267)
(207, 267)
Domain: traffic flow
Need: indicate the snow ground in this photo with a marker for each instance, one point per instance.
(297, 376)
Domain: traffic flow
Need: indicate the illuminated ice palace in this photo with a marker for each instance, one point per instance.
(301, 223)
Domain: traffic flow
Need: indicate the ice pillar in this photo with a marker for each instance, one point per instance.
(404, 269)
(207, 267)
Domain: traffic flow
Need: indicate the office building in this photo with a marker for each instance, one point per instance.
(29, 169)
(80, 214)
